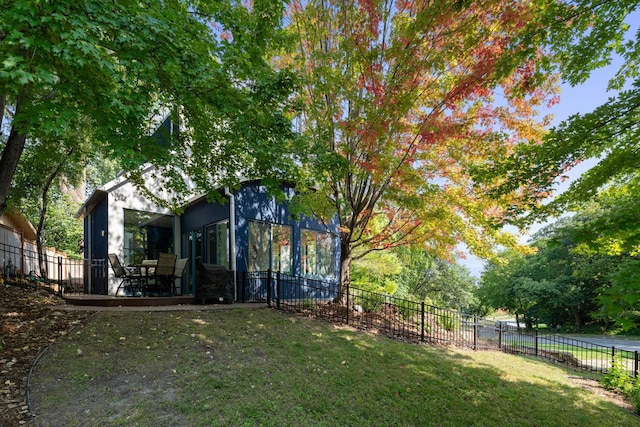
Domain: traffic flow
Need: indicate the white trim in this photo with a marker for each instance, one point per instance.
(232, 240)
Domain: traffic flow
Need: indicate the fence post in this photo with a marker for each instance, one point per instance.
(269, 288)
(422, 321)
(475, 332)
(500, 337)
(348, 303)
(277, 289)
(243, 286)
(60, 281)
(635, 364)
(536, 350)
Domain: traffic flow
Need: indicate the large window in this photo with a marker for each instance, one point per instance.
(146, 235)
(318, 254)
(269, 247)
(218, 243)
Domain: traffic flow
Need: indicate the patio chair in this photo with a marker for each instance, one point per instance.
(130, 279)
(181, 265)
(161, 281)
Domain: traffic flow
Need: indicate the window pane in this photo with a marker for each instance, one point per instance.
(210, 233)
(327, 255)
(309, 252)
(281, 249)
(191, 249)
(218, 243)
(222, 243)
(259, 234)
(146, 234)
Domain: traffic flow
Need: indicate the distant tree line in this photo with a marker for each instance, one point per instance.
(566, 283)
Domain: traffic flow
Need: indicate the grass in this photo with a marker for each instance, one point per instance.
(251, 367)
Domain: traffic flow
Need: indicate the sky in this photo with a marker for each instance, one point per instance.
(580, 99)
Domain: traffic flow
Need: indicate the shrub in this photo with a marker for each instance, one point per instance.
(369, 301)
(634, 398)
(450, 322)
(407, 309)
(618, 378)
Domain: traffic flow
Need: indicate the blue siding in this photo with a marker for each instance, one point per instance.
(203, 213)
(97, 221)
(100, 221)
(252, 202)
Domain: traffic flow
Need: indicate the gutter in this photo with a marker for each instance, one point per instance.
(232, 239)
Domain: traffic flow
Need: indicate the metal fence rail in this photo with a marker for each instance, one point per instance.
(63, 275)
(417, 322)
(572, 352)
(397, 317)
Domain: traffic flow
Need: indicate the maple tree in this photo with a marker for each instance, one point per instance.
(401, 101)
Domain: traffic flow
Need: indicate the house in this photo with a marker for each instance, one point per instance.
(248, 231)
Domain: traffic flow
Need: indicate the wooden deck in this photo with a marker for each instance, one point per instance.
(111, 301)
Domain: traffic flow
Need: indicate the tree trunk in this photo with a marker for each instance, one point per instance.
(11, 154)
(528, 323)
(9, 162)
(578, 318)
(345, 272)
(42, 257)
(41, 241)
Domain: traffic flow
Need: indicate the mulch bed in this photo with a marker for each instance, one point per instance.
(28, 325)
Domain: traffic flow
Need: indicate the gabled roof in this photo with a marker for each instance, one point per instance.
(103, 191)
(89, 205)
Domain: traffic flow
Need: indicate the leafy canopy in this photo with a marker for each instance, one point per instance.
(401, 101)
(582, 36)
(120, 69)
(563, 283)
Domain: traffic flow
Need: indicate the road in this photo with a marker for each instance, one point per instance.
(629, 344)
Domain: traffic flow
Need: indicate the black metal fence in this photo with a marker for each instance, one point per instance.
(401, 318)
(64, 275)
(419, 322)
(575, 353)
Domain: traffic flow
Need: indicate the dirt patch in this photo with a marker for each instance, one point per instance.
(28, 325)
(596, 388)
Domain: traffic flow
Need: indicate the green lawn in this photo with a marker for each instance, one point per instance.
(253, 367)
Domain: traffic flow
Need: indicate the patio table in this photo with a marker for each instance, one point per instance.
(144, 268)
